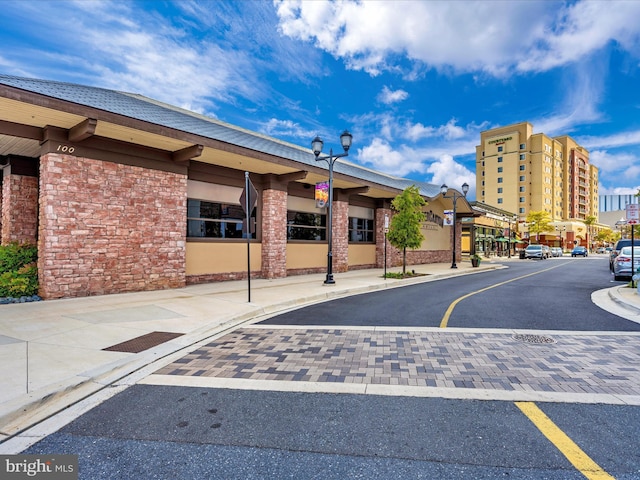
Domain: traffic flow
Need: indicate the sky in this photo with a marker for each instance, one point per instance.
(415, 82)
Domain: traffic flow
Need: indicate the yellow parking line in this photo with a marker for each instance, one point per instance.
(583, 463)
(447, 314)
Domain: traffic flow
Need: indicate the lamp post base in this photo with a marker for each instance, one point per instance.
(329, 280)
(454, 266)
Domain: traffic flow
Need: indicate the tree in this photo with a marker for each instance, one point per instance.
(590, 220)
(404, 230)
(538, 221)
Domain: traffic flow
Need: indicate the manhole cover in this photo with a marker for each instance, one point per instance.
(140, 344)
(528, 338)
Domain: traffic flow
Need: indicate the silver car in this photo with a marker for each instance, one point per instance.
(534, 251)
(556, 252)
(622, 263)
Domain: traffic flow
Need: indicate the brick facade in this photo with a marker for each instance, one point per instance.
(274, 233)
(414, 257)
(340, 241)
(19, 209)
(109, 228)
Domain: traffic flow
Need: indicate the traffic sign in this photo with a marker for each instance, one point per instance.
(253, 197)
(633, 213)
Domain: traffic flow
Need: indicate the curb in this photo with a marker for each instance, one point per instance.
(616, 297)
(33, 408)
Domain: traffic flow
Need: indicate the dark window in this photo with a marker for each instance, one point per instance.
(215, 220)
(306, 226)
(361, 230)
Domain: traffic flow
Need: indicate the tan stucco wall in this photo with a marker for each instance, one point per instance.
(212, 257)
(362, 254)
(301, 255)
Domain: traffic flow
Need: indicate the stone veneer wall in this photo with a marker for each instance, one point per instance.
(340, 247)
(109, 228)
(414, 257)
(19, 209)
(274, 233)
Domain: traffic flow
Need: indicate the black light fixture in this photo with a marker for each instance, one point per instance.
(316, 147)
(455, 196)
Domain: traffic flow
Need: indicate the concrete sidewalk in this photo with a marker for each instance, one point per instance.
(55, 353)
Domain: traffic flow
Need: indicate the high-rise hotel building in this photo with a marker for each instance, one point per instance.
(519, 171)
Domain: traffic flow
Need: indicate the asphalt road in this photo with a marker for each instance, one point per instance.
(553, 294)
(177, 432)
(194, 433)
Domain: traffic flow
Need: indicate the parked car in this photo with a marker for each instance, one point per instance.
(546, 251)
(600, 250)
(626, 242)
(579, 251)
(556, 252)
(622, 263)
(534, 251)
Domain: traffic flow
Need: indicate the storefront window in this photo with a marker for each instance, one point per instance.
(361, 230)
(215, 220)
(306, 226)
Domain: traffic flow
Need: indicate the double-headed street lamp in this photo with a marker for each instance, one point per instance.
(316, 146)
(455, 196)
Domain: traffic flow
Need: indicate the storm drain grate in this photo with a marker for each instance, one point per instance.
(144, 342)
(529, 338)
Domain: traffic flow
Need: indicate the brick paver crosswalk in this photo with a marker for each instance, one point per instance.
(507, 361)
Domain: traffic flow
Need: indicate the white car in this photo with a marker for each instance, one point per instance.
(534, 251)
(556, 252)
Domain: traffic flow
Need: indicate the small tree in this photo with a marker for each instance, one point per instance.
(538, 221)
(589, 221)
(404, 230)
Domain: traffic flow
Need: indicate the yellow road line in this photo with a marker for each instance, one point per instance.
(583, 463)
(447, 314)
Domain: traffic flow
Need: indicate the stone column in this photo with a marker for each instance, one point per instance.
(274, 233)
(340, 232)
(20, 202)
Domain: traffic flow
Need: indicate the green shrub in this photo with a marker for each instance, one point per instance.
(15, 255)
(18, 270)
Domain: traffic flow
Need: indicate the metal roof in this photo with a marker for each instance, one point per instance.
(152, 111)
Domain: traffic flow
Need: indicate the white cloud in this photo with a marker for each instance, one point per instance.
(491, 37)
(622, 139)
(381, 156)
(434, 165)
(447, 171)
(388, 96)
(286, 128)
(449, 131)
(582, 28)
(620, 190)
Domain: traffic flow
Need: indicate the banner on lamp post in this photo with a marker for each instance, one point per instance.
(448, 218)
(322, 194)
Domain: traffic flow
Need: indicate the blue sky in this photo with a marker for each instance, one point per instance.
(415, 82)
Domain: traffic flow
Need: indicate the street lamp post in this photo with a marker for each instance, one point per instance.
(455, 196)
(561, 229)
(620, 225)
(316, 146)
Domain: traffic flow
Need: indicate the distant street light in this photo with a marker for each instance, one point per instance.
(560, 229)
(316, 147)
(455, 196)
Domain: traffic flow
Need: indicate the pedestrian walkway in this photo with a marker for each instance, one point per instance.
(575, 367)
(56, 353)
